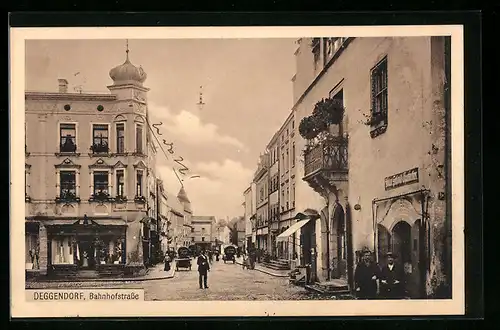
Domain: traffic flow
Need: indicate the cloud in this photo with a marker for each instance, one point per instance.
(189, 127)
(219, 189)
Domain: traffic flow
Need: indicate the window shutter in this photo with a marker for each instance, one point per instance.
(373, 90)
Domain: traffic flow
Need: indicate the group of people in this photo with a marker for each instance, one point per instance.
(372, 281)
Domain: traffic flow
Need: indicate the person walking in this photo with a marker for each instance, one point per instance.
(167, 262)
(392, 282)
(252, 254)
(203, 269)
(365, 277)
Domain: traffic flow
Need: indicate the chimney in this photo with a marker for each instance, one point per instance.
(63, 85)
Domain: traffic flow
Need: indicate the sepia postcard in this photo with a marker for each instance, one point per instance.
(277, 171)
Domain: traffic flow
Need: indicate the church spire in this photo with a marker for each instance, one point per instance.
(127, 51)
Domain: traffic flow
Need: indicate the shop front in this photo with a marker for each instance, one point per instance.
(86, 247)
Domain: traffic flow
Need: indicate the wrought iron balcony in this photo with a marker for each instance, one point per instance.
(100, 196)
(99, 148)
(140, 199)
(120, 199)
(327, 156)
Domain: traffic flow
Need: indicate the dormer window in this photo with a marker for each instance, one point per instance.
(100, 134)
(67, 138)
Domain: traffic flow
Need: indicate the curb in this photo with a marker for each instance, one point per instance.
(265, 271)
(122, 279)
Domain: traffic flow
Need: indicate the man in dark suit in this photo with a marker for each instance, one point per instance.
(365, 277)
(392, 279)
(203, 269)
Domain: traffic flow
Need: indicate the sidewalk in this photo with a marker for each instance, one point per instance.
(154, 273)
(272, 272)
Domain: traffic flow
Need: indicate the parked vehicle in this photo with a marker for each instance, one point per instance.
(229, 254)
(184, 258)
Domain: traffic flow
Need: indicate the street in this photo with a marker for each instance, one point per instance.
(226, 282)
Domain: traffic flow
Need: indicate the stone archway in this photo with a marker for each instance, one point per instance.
(338, 242)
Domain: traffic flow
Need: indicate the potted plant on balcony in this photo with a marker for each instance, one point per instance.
(100, 196)
(67, 196)
(327, 112)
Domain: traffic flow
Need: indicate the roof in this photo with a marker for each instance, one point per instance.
(182, 196)
(200, 218)
(173, 202)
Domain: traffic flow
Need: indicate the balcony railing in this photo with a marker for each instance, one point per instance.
(67, 196)
(329, 155)
(100, 196)
(99, 148)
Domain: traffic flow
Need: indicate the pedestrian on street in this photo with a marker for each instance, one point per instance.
(252, 254)
(392, 279)
(210, 256)
(246, 263)
(365, 276)
(203, 269)
(167, 262)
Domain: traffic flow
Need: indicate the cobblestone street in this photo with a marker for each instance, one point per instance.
(225, 281)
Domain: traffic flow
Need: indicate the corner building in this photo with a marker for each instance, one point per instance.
(383, 184)
(88, 162)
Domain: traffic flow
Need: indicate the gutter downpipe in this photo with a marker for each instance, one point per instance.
(328, 269)
(375, 231)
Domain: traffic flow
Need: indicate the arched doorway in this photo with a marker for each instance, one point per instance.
(338, 243)
(401, 242)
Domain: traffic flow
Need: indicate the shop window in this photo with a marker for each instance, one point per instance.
(32, 251)
(138, 139)
(67, 137)
(120, 183)
(100, 136)
(62, 251)
(120, 138)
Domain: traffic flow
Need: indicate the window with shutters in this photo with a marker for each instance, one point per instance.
(379, 99)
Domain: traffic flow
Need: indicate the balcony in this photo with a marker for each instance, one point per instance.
(100, 197)
(326, 162)
(100, 148)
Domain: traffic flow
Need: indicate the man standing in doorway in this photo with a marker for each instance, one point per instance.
(392, 282)
(203, 269)
(366, 276)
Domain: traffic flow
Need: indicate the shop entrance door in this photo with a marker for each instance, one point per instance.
(87, 252)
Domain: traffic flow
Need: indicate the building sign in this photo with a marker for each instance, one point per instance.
(401, 179)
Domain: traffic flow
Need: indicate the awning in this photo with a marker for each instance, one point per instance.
(287, 233)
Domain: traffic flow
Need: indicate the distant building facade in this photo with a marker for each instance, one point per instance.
(261, 223)
(203, 231)
(273, 150)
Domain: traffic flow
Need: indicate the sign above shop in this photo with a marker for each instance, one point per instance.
(401, 179)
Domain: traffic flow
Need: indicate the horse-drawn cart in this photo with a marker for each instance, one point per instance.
(184, 258)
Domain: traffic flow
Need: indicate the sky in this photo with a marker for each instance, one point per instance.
(247, 91)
